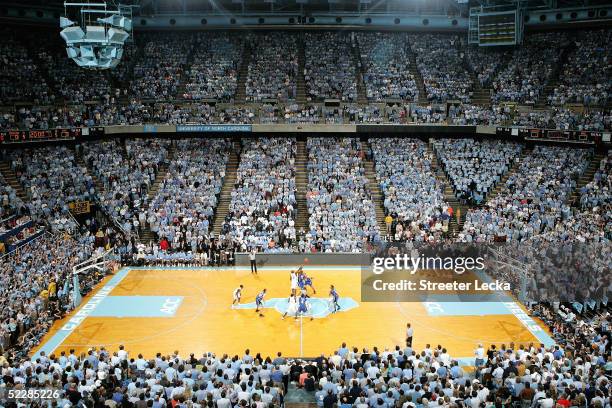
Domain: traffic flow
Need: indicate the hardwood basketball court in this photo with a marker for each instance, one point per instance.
(151, 310)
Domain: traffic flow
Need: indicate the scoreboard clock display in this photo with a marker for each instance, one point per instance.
(25, 136)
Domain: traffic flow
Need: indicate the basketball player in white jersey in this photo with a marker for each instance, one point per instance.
(292, 307)
(237, 295)
(294, 282)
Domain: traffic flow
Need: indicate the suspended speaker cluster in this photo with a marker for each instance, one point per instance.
(97, 41)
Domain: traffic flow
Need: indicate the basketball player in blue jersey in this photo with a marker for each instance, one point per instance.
(303, 306)
(259, 301)
(308, 283)
(334, 298)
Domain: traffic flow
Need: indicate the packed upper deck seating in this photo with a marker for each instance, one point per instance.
(585, 77)
(161, 70)
(486, 63)
(213, 72)
(529, 69)
(21, 77)
(329, 70)
(385, 58)
(465, 114)
(273, 70)
(439, 61)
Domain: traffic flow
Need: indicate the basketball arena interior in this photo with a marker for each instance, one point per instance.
(305, 203)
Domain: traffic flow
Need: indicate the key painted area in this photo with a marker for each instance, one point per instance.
(138, 306)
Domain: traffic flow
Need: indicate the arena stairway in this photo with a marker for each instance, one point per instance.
(480, 95)
(299, 398)
(553, 80)
(301, 185)
(301, 82)
(362, 98)
(414, 70)
(102, 214)
(502, 182)
(455, 225)
(144, 232)
(78, 157)
(161, 174)
(11, 179)
(585, 178)
(243, 73)
(375, 191)
(225, 197)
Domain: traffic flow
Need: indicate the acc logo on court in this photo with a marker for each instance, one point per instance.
(170, 305)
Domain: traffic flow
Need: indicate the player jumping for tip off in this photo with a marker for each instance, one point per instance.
(334, 297)
(259, 302)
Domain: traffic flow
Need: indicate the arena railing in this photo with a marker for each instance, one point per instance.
(8, 138)
(26, 244)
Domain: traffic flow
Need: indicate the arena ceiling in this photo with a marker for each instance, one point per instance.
(156, 7)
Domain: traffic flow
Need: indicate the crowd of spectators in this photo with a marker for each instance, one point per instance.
(181, 210)
(342, 216)
(263, 205)
(486, 62)
(529, 69)
(76, 85)
(565, 119)
(466, 114)
(161, 70)
(329, 70)
(36, 285)
(11, 203)
(273, 69)
(427, 114)
(533, 199)
(295, 113)
(126, 175)
(20, 76)
(597, 193)
(213, 73)
(585, 77)
(572, 373)
(414, 203)
(52, 179)
(440, 62)
(475, 167)
(386, 66)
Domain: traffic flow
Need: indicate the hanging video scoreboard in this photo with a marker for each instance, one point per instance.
(497, 28)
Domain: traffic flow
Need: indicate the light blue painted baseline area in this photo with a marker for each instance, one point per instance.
(137, 306)
(465, 308)
(58, 338)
